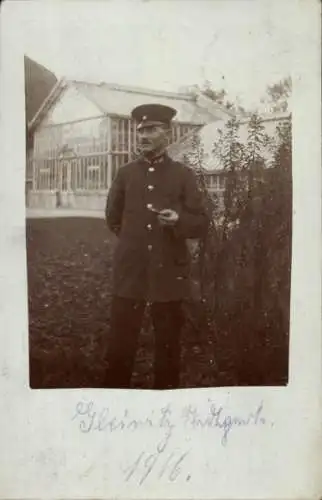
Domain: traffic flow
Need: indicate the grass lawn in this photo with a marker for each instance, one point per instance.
(69, 270)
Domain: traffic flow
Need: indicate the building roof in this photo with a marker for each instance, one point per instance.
(109, 99)
(39, 82)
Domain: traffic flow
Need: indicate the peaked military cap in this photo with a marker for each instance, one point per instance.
(153, 114)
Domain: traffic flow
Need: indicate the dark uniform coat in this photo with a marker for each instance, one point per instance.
(151, 262)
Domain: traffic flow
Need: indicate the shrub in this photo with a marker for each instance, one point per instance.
(244, 263)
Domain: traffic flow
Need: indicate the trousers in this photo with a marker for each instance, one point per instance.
(126, 322)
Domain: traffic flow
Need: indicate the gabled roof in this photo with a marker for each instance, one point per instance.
(39, 82)
(108, 98)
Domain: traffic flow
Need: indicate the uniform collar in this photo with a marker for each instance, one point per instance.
(156, 159)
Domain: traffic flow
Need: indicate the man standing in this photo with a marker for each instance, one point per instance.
(153, 206)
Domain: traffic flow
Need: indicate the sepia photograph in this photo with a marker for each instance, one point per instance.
(160, 310)
(158, 193)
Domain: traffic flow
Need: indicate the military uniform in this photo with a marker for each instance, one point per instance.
(151, 262)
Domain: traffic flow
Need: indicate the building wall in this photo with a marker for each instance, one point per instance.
(79, 127)
(83, 155)
(55, 130)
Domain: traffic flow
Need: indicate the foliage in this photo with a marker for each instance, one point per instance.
(275, 100)
(277, 96)
(218, 96)
(246, 257)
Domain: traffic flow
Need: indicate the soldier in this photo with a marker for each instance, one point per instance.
(153, 207)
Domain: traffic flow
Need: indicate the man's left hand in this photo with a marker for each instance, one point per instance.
(168, 217)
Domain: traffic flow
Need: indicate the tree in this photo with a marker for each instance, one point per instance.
(218, 96)
(246, 276)
(231, 152)
(277, 96)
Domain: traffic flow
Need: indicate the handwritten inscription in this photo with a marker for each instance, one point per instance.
(218, 418)
(92, 419)
(161, 459)
(163, 463)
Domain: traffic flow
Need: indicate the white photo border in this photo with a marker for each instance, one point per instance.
(44, 452)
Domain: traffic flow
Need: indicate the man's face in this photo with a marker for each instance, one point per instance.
(152, 138)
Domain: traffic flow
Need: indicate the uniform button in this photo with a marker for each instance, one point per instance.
(150, 187)
(151, 169)
(149, 248)
(149, 206)
(149, 226)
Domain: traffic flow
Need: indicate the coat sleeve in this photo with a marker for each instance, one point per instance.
(193, 221)
(115, 204)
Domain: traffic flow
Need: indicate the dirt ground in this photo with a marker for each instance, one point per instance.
(69, 269)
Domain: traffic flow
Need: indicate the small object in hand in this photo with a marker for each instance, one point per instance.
(155, 210)
(168, 217)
